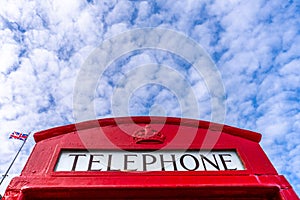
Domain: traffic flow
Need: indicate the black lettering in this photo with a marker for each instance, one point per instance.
(126, 161)
(224, 161)
(76, 156)
(215, 165)
(145, 162)
(93, 161)
(109, 164)
(162, 161)
(183, 165)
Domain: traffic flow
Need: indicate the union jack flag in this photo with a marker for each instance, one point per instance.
(19, 136)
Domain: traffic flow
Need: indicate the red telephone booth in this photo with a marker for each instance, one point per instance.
(147, 158)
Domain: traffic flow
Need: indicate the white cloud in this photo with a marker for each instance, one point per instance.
(255, 44)
(10, 10)
(144, 10)
(291, 68)
(121, 12)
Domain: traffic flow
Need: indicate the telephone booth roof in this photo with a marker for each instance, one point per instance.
(148, 157)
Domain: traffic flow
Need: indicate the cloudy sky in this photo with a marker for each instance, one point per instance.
(46, 48)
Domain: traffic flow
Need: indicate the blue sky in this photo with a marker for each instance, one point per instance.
(254, 45)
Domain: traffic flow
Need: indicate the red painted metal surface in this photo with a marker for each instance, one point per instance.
(39, 180)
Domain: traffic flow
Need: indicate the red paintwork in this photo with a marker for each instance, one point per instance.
(39, 181)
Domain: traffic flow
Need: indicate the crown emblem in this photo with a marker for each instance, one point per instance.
(148, 135)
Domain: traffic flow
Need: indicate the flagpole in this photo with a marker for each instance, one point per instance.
(4, 176)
